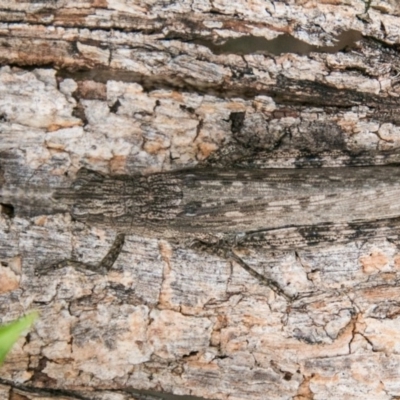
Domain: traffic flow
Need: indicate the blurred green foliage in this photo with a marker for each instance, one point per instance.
(10, 333)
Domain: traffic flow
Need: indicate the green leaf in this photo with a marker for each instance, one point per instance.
(10, 333)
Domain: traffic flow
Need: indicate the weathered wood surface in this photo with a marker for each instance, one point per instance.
(127, 88)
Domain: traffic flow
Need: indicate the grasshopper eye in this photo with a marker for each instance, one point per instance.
(191, 208)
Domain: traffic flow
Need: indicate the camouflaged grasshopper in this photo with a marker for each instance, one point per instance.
(219, 211)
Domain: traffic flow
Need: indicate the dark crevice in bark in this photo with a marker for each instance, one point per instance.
(286, 91)
(76, 395)
(162, 22)
(44, 392)
(285, 43)
(7, 209)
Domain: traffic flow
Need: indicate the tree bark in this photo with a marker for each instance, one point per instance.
(149, 86)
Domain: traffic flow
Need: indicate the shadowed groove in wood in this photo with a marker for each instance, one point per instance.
(281, 44)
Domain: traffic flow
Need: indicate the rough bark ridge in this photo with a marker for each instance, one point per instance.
(148, 86)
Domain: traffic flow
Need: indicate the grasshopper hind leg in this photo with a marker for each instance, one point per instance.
(102, 268)
(226, 250)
